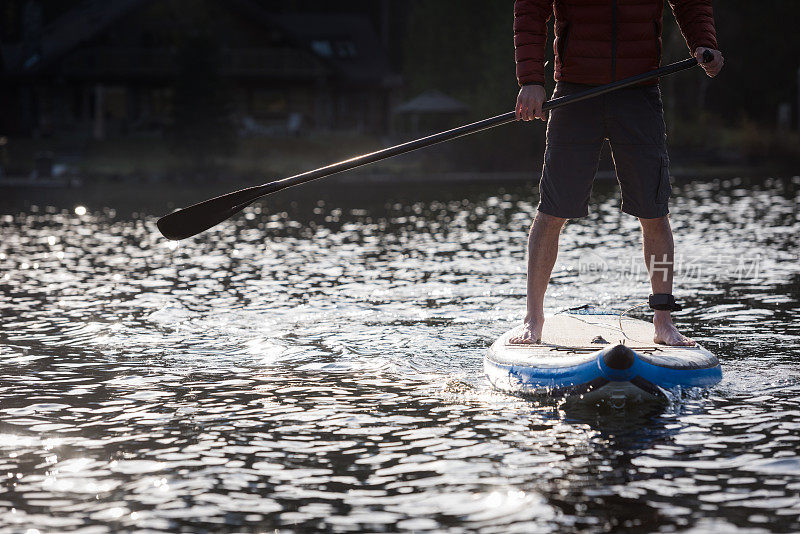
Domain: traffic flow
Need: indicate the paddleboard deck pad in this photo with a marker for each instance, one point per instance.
(597, 356)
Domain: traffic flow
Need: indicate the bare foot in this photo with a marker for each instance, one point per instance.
(531, 332)
(667, 334)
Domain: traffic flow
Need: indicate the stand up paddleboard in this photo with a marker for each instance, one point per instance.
(597, 356)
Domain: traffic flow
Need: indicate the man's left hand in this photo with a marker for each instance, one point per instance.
(712, 68)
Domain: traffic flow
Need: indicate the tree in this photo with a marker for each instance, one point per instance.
(203, 128)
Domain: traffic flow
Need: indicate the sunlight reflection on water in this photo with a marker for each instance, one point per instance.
(320, 369)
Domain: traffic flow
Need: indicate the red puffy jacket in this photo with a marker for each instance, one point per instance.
(599, 41)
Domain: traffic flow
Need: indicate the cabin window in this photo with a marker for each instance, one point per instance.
(345, 49)
(323, 48)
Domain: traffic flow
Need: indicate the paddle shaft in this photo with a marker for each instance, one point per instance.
(472, 128)
(194, 219)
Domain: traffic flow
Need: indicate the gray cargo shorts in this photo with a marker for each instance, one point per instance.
(632, 119)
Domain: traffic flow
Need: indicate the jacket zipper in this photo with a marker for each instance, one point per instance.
(614, 40)
(658, 41)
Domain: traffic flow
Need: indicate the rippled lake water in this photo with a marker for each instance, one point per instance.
(316, 365)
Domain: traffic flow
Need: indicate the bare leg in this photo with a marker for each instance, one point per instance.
(542, 253)
(659, 253)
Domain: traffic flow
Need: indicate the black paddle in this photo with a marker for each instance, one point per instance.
(190, 221)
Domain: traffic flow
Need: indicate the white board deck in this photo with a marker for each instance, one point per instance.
(570, 339)
(569, 330)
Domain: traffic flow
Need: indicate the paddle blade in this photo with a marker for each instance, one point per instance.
(192, 220)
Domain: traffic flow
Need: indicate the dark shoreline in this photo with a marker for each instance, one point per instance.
(158, 198)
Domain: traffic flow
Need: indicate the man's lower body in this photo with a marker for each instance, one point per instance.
(632, 120)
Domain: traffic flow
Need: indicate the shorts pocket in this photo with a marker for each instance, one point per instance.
(664, 187)
(653, 97)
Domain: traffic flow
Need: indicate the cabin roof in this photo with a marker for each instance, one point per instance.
(431, 101)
